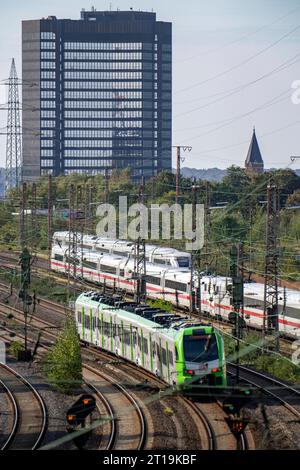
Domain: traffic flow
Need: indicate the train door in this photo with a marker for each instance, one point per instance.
(158, 359)
(165, 360)
(146, 349)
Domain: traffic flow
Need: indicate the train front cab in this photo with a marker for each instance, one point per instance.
(201, 360)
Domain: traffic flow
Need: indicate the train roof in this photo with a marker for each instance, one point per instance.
(170, 332)
(157, 250)
(256, 290)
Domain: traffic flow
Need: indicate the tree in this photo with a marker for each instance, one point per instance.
(294, 199)
(63, 364)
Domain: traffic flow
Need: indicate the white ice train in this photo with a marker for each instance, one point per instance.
(174, 285)
(154, 253)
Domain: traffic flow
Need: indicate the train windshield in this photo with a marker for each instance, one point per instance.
(198, 348)
(183, 262)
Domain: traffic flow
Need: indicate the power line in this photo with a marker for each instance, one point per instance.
(228, 93)
(277, 99)
(241, 38)
(240, 64)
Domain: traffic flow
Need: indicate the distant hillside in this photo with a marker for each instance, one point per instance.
(210, 174)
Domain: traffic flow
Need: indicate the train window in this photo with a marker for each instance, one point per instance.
(159, 261)
(183, 262)
(198, 348)
(106, 328)
(58, 257)
(86, 247)
(134, 338)
(126, 336)
(158, 352)
(79, 317)
(205, 287)
(93, 323)
(171, 358)
(122, 272)
(139, 341)
(176, 354)
(87, 322)
(120, 253)
(89, 264)
(145, 345)
(153, 280)
(169, 284)
(102, 250)
(164, 356)
(107, 269)
(72, 260)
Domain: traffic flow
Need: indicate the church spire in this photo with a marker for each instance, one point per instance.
(254, 162)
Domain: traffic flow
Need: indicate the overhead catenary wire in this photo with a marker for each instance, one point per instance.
(240, 64)
(241, 38)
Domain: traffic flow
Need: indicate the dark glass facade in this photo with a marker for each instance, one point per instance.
(97, 94)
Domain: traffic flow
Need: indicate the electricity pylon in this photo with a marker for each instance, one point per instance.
(13, 142)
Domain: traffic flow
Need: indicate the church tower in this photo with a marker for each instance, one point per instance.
(254, 163)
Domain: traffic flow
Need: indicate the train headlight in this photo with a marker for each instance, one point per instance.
(216, 369)
(189, 372)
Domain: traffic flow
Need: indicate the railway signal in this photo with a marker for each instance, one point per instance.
(78, 412)
(76, 416)
(237, 425)
(25, 261)
(238, 399)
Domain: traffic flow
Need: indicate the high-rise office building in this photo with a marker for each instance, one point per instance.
(97, 94)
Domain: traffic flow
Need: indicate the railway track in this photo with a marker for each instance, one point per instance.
(29, 414)
(214, 431)
(208, 436)
(286, 394)
(79, 286)
(129, 430)
(124, 415)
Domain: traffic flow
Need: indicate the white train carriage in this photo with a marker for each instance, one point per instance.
(174, 285)
(154, 253)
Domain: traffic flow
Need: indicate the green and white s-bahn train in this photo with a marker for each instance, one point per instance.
(179, 351)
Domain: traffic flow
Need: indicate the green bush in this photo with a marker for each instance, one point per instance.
(15, 347)
(160, 303)
(62, 364)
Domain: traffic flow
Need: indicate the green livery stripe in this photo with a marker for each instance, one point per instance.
(111, 335)
(151, 352)
(131, 343)
(122, 338)
(142, 348)
(91, 325)
(102, 331)
(160, 359)
(168, 359)
(83, 321)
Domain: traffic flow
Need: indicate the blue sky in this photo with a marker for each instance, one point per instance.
(220, 48)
